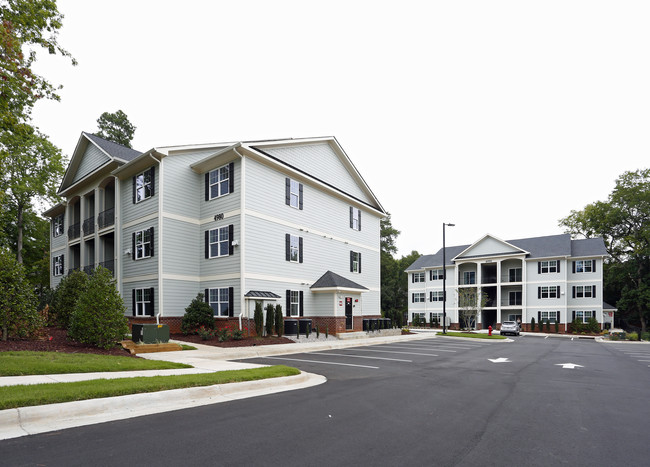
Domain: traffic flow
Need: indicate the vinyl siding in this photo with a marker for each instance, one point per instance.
(131, 211)
(182, 249)
(141, 267)
(178, 294)
(92, 159)
(127, 294)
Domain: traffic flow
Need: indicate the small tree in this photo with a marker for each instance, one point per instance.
(270, 319)
(532, 324)
(258, 316)
(198, 313)
(66, 295)
(279, 320)
(18, 314)
(557, 326)
(470, 301)
(98, 318)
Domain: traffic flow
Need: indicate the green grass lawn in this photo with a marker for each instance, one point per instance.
(51, 363)
(52, 393)
(471, 335)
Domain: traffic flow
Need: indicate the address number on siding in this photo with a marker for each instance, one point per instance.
(219, 217)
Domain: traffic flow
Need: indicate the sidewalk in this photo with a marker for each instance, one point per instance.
(40, 419)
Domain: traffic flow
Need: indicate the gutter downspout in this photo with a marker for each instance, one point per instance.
(242, 230)
(160, 238)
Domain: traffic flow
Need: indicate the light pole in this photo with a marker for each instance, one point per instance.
(444, 280)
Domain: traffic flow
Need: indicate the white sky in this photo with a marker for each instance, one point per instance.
(498, 116)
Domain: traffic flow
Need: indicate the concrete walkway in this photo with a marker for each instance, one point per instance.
(40, 419)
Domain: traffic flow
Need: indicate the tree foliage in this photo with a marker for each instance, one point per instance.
(470, 301)
(116, 127)
(198, 313)
(623, 221)
(98, 317)
(66, 295)
(18, 314)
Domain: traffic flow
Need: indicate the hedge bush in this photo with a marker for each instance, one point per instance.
(279, 320)
(270, 319)
(19, 316)
(66, 295)
(198, 313)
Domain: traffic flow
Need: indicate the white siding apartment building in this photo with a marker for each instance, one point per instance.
(282, 221)
(550, 278)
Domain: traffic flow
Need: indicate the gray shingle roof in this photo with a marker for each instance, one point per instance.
(113, 149)
(330, 280)
(538, 247)
(261, 294)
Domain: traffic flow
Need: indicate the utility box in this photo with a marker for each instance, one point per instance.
(150, 333)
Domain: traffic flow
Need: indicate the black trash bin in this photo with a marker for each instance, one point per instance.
(366, 324)
(374, 324)
(304, 325)
(290, 326)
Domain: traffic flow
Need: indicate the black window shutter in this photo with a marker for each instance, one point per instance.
(207, 186)
(539, 292)
(133, 190)
(300, 250)
(53, 265)
(152, 242)
(412, 277)
(430, 296)
(573, 293)
(558, 265)
(539, 267)
(287, 247)
(133, 246)
(351, 261)
(207, 244)
(359, 219)
(574, 267)
(558, 291)
(133, 300)
(153, 180)
(231, 302)
(593, 291)
(150, 311)
(359, 265)
(287, 191)
(351, 217)
(301, 306)
(62, 264)
(539, 318)
(593, 265)
(573, 315)
(300, 197)
(288, 303)
(231, 234)
(206, 296)
(231, 177)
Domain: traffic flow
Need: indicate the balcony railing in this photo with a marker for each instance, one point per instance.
(106, 218)
(511, 278)
(110, 265)
(511, 301)
(89, 226)
(74, 231)
(71, 270)
(89, 269)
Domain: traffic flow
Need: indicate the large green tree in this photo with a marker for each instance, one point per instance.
(623, 221)
(116, 127)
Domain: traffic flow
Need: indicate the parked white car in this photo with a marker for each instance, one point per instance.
(509, 327)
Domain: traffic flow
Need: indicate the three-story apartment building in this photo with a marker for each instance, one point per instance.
(282, 221)
(550, 278)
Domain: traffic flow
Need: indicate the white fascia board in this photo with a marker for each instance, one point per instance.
(137, 164)
(215, 160)
(339, 290)
(524, 252)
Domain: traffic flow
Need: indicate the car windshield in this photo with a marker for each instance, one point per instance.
(509, 323)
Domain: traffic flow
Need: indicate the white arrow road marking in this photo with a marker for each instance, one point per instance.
(499, 360)
(570, 366)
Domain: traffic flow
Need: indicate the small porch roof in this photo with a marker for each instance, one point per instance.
(332, 282)
(259, 294)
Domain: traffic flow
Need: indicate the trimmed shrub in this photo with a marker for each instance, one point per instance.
(279, 320)
(557, 326)
(593, 326)
(66, 295)
(632, 336)
(532, 324)
(258, 316)
(270, 318)
(198, 313)
(98, 317)
(19, 316)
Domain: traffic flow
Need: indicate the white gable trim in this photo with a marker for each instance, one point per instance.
(516, 251)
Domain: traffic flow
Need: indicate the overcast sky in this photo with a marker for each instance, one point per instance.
(498, 116)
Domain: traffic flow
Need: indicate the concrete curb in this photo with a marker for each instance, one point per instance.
(41, 419)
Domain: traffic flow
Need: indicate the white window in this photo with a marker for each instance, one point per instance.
(584, 291)
(550, 316)
(418, 277)
(57, 225)
(219, 181)
(584, 316)
(294, 248)
(143, 302)
(355, 218)
(219, 300)
(437, 296)
(469, 277)
(58, 265)
(219, 242)
(514, 275)
(435, 274)
(418, 297)
(143, 244)
(547, 267)
(294, 301)
(144, 185)
(584, 266)
(294, 194)
(552, 291)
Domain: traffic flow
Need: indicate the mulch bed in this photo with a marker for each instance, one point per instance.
(245, 342)
(59, 342)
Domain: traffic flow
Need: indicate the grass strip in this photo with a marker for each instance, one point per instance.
(471, 335)
(52, 393)
(51, 363)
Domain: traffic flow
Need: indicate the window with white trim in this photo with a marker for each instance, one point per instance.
(418, 297)
(143, 243)
(219, 300)
(551, 291)
(143, 185)
(436, 296)
(584, 266)
(548, 267)
(58, 268)
(219, 182)
(584, 315)
(584, 291)
(514, 275)
(294, 248)
(219, 242)
(294, 194)
(435, 275)
(294, 302)
(417, 277)
(469, 277)
(355, 218)
(355, 261)
(550, 316)
(143, 302)
(58, 225)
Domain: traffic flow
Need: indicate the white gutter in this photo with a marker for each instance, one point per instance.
(242, 230)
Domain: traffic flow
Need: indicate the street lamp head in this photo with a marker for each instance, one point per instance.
(450, 225)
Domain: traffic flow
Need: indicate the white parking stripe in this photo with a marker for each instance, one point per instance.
(361, 356)
(403, 353)
(413, 347)
(324, 363)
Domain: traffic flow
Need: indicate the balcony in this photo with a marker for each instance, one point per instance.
(106, 218)
(110, 265)
(89, 226)
(74, 231)
(71, 270)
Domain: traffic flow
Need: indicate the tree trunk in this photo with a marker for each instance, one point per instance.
(19, 240)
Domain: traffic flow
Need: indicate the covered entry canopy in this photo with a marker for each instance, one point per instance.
(261, 295)
(332, 282)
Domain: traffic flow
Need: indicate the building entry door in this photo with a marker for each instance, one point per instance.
(348, 313)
